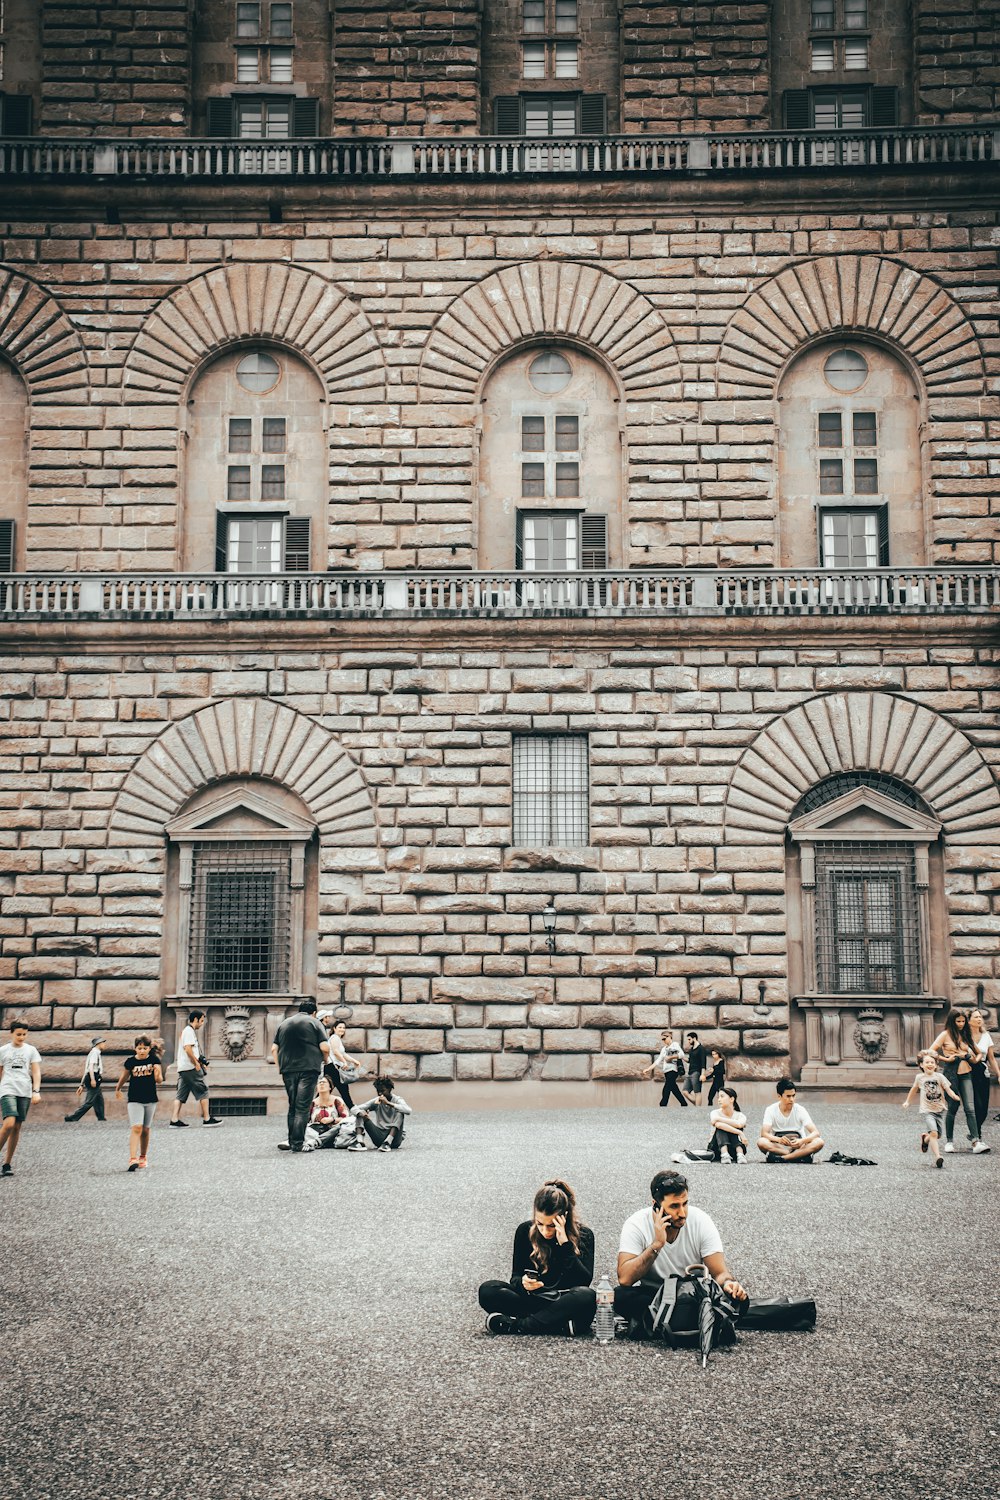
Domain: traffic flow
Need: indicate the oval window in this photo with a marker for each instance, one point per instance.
(846, 370)
(258, 372)
(550, 373)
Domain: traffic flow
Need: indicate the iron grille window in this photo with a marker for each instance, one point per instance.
(239, 920)
(867, 920)
(550, 787)
(846, 781)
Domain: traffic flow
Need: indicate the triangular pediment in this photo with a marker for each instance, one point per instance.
(239, 814)
(865, 813)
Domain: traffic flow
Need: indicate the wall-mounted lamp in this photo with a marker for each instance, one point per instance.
(762, 1008)
(549, 923)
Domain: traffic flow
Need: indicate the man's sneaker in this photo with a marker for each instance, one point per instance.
(178, 1124)
(69, 1119)
(6, 1170)
(949, 1146)
(939, 1162)
(213, 1120)
(495, 1322)
(357, 1146)
(979, 1148)
(133, 1166)
(386, 1147)
(924, 1142)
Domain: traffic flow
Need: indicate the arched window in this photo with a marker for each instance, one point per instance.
(13, 468)
(255, 491)
(550, 464)
(849, 460)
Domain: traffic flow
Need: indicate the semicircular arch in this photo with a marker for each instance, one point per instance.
(245, 737)
(38, 339)
(859, 294)
(260, 300)
(859, 731)
(549, 299)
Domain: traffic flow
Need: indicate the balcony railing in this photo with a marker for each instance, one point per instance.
(499, 156)
(30, 597)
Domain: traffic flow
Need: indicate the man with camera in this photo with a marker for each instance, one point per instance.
(662, 1241)
(191, 1065)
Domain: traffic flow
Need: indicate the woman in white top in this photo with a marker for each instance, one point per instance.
(340, 1058)
(985, 1063)
(954, 1049)
(727, 1127)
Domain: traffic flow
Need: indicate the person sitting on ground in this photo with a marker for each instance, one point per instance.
(326, 1116)
(670, 1062)
(788, 1133)
(932, 1086)
(662, 1241)
(728, 1124)
(386, 1129)
(553, 1265)
(717, 1065)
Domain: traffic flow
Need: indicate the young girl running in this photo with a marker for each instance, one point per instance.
(932, 1086)
(141, 1069)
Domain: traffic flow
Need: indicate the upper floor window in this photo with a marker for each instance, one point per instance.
(841, 64)
(13, 468)
(551, 55)
(545, 44)
(550, 790)
(250, 46)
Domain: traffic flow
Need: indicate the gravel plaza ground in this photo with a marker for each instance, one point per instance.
(238, 1322)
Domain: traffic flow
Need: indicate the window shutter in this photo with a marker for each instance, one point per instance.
(796, 109)
(519, 543)
(507, 115)
(593, 543)
(6, 546)
(885, 106)
(221, 542)
(219, 117)
(883, 536)
(593, 114)
(305, 117)
(16, 114)
(297, 544)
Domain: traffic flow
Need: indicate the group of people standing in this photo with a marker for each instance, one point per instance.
(955, 1072)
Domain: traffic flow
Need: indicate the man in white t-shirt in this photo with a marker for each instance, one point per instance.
(788, 1133)
(20, 1088)
(663, 1240)
(191, 1073)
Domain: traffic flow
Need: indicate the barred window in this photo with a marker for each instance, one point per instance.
(867, 920)
(550, 790)
(239, 919)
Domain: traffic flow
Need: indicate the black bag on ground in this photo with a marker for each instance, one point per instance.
(780, 1314)
(673, 1315)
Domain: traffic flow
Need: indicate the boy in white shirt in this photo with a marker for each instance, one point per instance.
(788, 1133)
(20, 1088)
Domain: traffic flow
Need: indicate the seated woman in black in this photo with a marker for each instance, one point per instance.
(549, 1288)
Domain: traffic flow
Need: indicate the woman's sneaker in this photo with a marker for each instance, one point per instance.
(979, 1148)
(497, 1322)
(949, 1147)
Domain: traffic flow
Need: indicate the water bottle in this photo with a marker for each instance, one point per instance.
(604, 1322)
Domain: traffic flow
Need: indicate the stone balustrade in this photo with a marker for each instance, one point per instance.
(499, 156)
(816, 591)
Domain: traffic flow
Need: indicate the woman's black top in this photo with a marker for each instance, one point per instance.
(564, 1270)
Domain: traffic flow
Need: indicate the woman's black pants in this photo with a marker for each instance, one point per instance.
(332, 1072)
(724, 1140)
(571, 1311)
(670, 1086)
(980, 1095)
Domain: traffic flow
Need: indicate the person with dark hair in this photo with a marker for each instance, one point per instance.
(697, 1062)
(669, 1061)
(957, 1053)
(728, 1124)
(191, 1079)
(141, 1071)
(662, 1241)
(788, 1133)
(300, 1049)
(386, 1129)
(340, 1059)
(717, 1063)
(985, 1061)
(549, 1289)
(20, 1088)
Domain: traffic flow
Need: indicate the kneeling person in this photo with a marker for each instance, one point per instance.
(386, 1130)
(549, 1289)
(663, 1241)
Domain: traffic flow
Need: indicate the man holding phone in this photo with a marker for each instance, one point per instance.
(663, 1241)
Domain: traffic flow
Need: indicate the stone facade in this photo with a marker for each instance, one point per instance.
(389, 733)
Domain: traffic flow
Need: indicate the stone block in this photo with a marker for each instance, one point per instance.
(510, 1065)
(559, 1068)
(602, 1017)
(401, 1069)
(439, 1068)
(137, 1015)
(32, 1015)
(766, 1042)
(472, 1039)
(469, 1015)
(416, 1041)
(731, 1016)
(417, 1015)
(527, 991)
(632, 1041)
(572, 1040)
(506, 1015)
(692, 1016)
(474, 1066)
(651, 1015)
(755, 1069)
(554, 1015)
(91, 1018)
(522, 1039)
(619, 1065)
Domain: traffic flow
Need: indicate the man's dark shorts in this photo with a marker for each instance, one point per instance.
(190, 1081)
(14, 1106)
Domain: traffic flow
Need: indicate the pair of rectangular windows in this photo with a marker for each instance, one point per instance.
(550, 60)
(540, 16)
(550, 477)
(833, 15)
(829, 54)
(240, 485)
(561, 541)
(263, 65)
(252, 19)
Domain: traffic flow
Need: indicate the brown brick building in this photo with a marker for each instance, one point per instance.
(463, 460)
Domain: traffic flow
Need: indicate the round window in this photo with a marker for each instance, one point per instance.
(846, 370)
(550, 372)
(258, 372)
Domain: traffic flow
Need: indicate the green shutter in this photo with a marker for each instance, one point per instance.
(593, 114)
(219, 117)
(883, 536)
(15, 114)
(305, 117)
(507, 115)
(796, 109)
(519, 542)
(221, 542)
(593, 543)
(885, 107)
(297, 544)
(6, 546)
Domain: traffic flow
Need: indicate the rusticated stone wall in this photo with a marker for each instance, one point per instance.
(674, 912)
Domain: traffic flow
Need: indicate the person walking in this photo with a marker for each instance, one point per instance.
(717, 1063)
(669, 1061)
(386, 1130)
(931, 1086)
(549, 1289)
(142, 1071)
(697, 1062)
(300, 1049)
(340, 1060)
(985, 1063)
(191, 1065)
(954, 1050)
(90, 1084)
(20, 1088)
